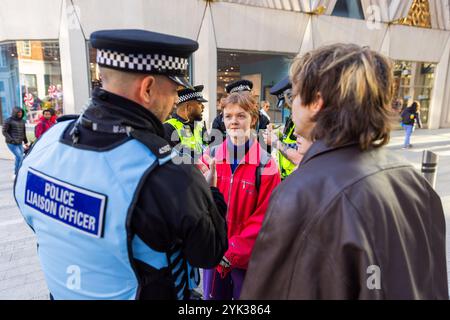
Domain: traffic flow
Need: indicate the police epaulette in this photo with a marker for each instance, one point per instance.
(159, 147)
(67, 117)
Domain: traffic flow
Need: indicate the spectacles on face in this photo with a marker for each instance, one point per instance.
(288, 97)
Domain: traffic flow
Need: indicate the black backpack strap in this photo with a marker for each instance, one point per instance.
(265, 158)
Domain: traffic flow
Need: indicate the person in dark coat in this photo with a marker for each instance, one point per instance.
(218, 131)
(15, 136)
(354, 221)
(410, 118)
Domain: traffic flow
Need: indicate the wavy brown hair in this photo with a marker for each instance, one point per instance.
(356, 85)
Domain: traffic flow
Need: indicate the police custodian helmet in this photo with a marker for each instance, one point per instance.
(280, 89)
(189, 94)
(239, 86)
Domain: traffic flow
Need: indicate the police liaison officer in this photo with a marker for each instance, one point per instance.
(100, 190)
(285, 142)
(185, 128)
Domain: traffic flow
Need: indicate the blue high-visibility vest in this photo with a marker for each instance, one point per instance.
(79, 204)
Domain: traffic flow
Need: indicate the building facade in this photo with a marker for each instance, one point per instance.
(46, 59)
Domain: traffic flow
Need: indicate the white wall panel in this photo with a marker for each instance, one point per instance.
(329, 29)
(205, 67)
(308, 40)
(417, 44)
(440, 14)
(399, 9)
(29, 19)
(181, 18)
(74, 64)
(257, 29)
(441, 92)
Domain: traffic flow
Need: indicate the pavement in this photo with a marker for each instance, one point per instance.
(21, 277)
(20, 273)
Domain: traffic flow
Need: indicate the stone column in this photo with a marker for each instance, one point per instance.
(205, 66)
(440, 101)
(74, 60)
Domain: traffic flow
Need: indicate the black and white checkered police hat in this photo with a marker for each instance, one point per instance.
(142, 51)
(188, 94)
(280, 89)
(239, 86)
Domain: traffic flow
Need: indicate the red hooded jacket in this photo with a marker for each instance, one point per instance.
(246, 205)
(42, 126)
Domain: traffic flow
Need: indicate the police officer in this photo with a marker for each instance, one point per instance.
(185, 127)
(218, 132)
(287, 155)
(102, 194)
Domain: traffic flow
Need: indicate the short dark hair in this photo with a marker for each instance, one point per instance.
(415, 106)
(356, 85)
(47, 110)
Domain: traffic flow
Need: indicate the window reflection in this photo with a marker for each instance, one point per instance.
(264, 70)
(348, 9)
(414, 81)
(30, 78)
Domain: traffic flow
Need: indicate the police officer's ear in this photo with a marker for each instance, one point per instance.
(148, 85)
(191, 107)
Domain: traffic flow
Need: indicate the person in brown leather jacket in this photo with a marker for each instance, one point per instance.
(354, 221)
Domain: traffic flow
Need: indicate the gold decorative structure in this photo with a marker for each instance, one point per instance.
(418, 15)
(320, 10)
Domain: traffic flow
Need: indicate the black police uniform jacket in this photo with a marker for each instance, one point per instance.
(174, 206)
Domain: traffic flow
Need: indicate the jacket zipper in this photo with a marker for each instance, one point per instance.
(229, 191)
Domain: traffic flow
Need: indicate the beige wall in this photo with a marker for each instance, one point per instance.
(258, 29)
(181, 18)
(29, 19)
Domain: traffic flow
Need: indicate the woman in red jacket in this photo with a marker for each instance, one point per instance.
(246, 176)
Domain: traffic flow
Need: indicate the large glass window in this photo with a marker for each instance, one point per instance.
(2, 58)
(348, 9)
(30, 74)
(414, 82)
(25, 48)
(94, 74)
(264, 70)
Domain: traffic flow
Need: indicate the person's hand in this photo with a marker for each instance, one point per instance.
(225, 263)
(211, 175)
(224, 267)
(269, 136)
(202, 165)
